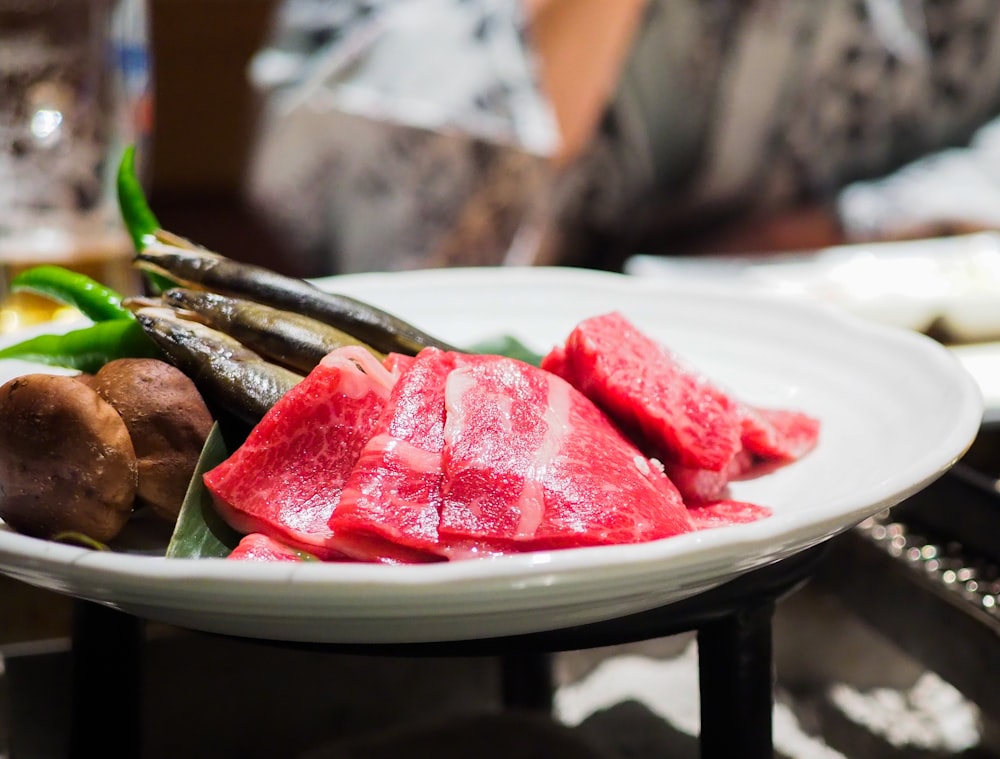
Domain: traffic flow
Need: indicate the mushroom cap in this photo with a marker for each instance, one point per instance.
(66, 459)
(168, 421)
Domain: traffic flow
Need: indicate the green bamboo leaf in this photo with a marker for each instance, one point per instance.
(200, 532)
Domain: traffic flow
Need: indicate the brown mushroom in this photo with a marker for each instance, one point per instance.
(168, 421)
(86, 379)
(66, 459)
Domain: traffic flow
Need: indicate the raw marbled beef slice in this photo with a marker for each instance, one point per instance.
(777, 434)
(258, 547)
(394, 490)
(395, 363)
(530, 463)
(699, 485)
(285, 480)
(649, 392)
(721, 513)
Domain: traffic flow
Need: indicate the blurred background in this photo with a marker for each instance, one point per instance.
(794, 120)
(205, 114)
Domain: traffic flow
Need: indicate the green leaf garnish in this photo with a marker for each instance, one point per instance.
(200, 532)
(506, 345)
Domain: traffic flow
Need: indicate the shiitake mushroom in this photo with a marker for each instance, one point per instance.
(78, 453)
(67, 464)
(167, 420)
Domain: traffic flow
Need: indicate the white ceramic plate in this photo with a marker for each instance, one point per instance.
(896, 411)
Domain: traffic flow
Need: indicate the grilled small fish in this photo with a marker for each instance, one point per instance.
(203, 269)
(290, 339)
(223, 369)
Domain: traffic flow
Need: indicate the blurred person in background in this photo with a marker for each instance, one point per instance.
(403, 133)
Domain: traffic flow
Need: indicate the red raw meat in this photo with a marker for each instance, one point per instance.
(450, 455)
(705, 516)
(769, 439)
(286, 479)
(395, 363)
(530, 463)
(258, 547)
(705, 436)
(777, 434)
(394, 491)
(675, 413)
(698, 485)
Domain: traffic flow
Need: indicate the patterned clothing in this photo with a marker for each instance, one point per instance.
(724, 107)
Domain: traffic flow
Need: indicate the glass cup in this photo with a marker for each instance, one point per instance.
(74, 92)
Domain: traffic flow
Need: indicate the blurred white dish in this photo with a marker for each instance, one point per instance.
(951, 281)
(982, 361)
(896, 410)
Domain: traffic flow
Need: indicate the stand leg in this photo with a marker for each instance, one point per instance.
(106, 711)
(736, 674)
(526, 680)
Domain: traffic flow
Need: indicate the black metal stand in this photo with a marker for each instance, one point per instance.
(736, 679)
(107, 665)
(735, 661)
(526, 681)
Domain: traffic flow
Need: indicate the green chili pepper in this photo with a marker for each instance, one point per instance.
(88, 296)
(139, 219)
(88, 348)
(80, 539)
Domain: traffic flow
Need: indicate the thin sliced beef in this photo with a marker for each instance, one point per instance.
(451, 456)
(394, 490)
(258, 547)
(699, 485)
(704, 435)
(777, 434)
(530, 463)
(705, 516)
(286, 479)
(395, 363)
(676, 414)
